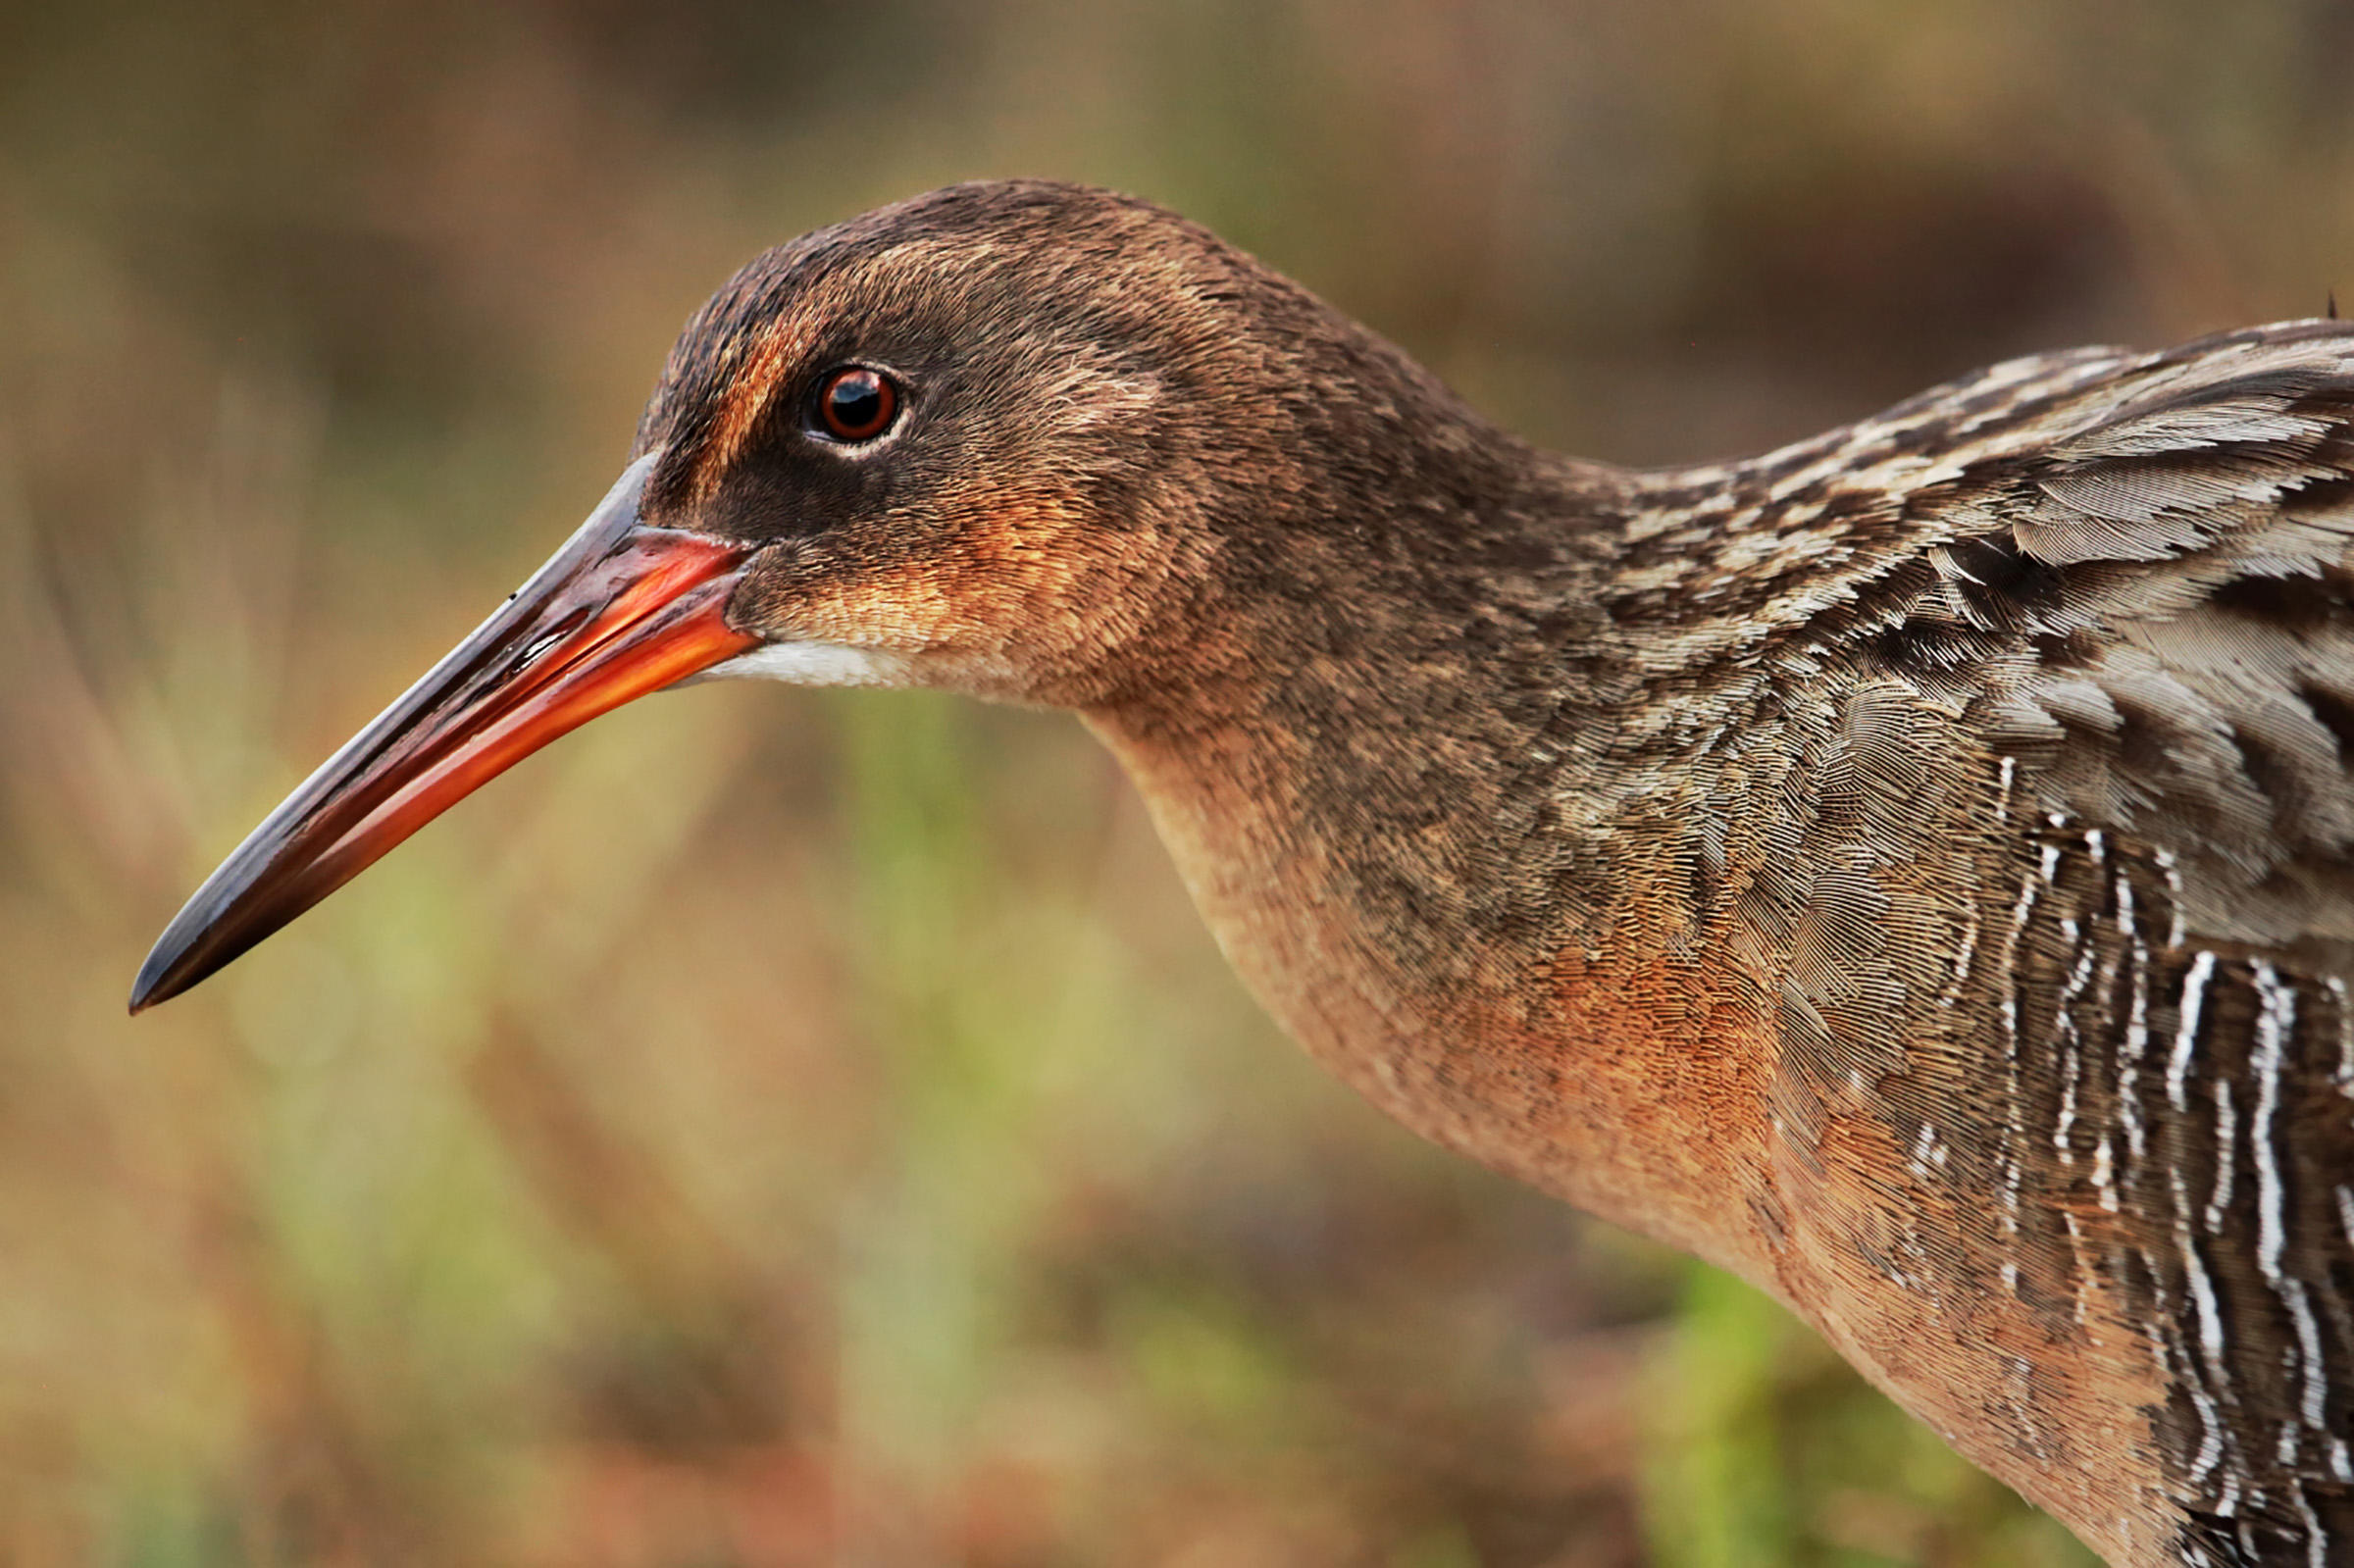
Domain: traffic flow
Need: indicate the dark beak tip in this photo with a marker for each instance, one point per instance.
(143, 992)
(156, 982)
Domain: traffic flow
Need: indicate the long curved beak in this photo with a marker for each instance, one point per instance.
(622, 610)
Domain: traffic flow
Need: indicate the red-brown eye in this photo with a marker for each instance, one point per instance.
(857, 404)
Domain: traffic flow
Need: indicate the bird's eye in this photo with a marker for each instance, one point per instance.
(857, 404)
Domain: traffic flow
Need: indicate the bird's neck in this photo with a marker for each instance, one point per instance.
(1409, 819)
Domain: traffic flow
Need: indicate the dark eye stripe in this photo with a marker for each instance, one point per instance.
(857, 404)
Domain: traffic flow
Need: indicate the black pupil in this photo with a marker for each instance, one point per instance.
(854, 403)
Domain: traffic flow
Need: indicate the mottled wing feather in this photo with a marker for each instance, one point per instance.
(2161, 603)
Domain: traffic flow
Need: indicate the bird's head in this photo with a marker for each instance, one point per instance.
(965, 441)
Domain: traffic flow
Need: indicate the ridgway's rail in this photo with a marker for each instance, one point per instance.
(1912, 869)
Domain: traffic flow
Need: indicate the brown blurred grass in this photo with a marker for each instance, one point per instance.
(775, 1128)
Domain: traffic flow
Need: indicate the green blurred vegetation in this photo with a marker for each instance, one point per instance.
(779, 1128)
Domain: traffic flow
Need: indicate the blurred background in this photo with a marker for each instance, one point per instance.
(785, 1128)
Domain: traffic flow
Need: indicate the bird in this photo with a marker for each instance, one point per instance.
(1912, 869)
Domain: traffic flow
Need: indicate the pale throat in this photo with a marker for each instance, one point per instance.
(815, 664)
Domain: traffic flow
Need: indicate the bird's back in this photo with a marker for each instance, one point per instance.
(2029, 729)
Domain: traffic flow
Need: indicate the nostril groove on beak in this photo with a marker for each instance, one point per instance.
(537, 649)
(530, 655)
